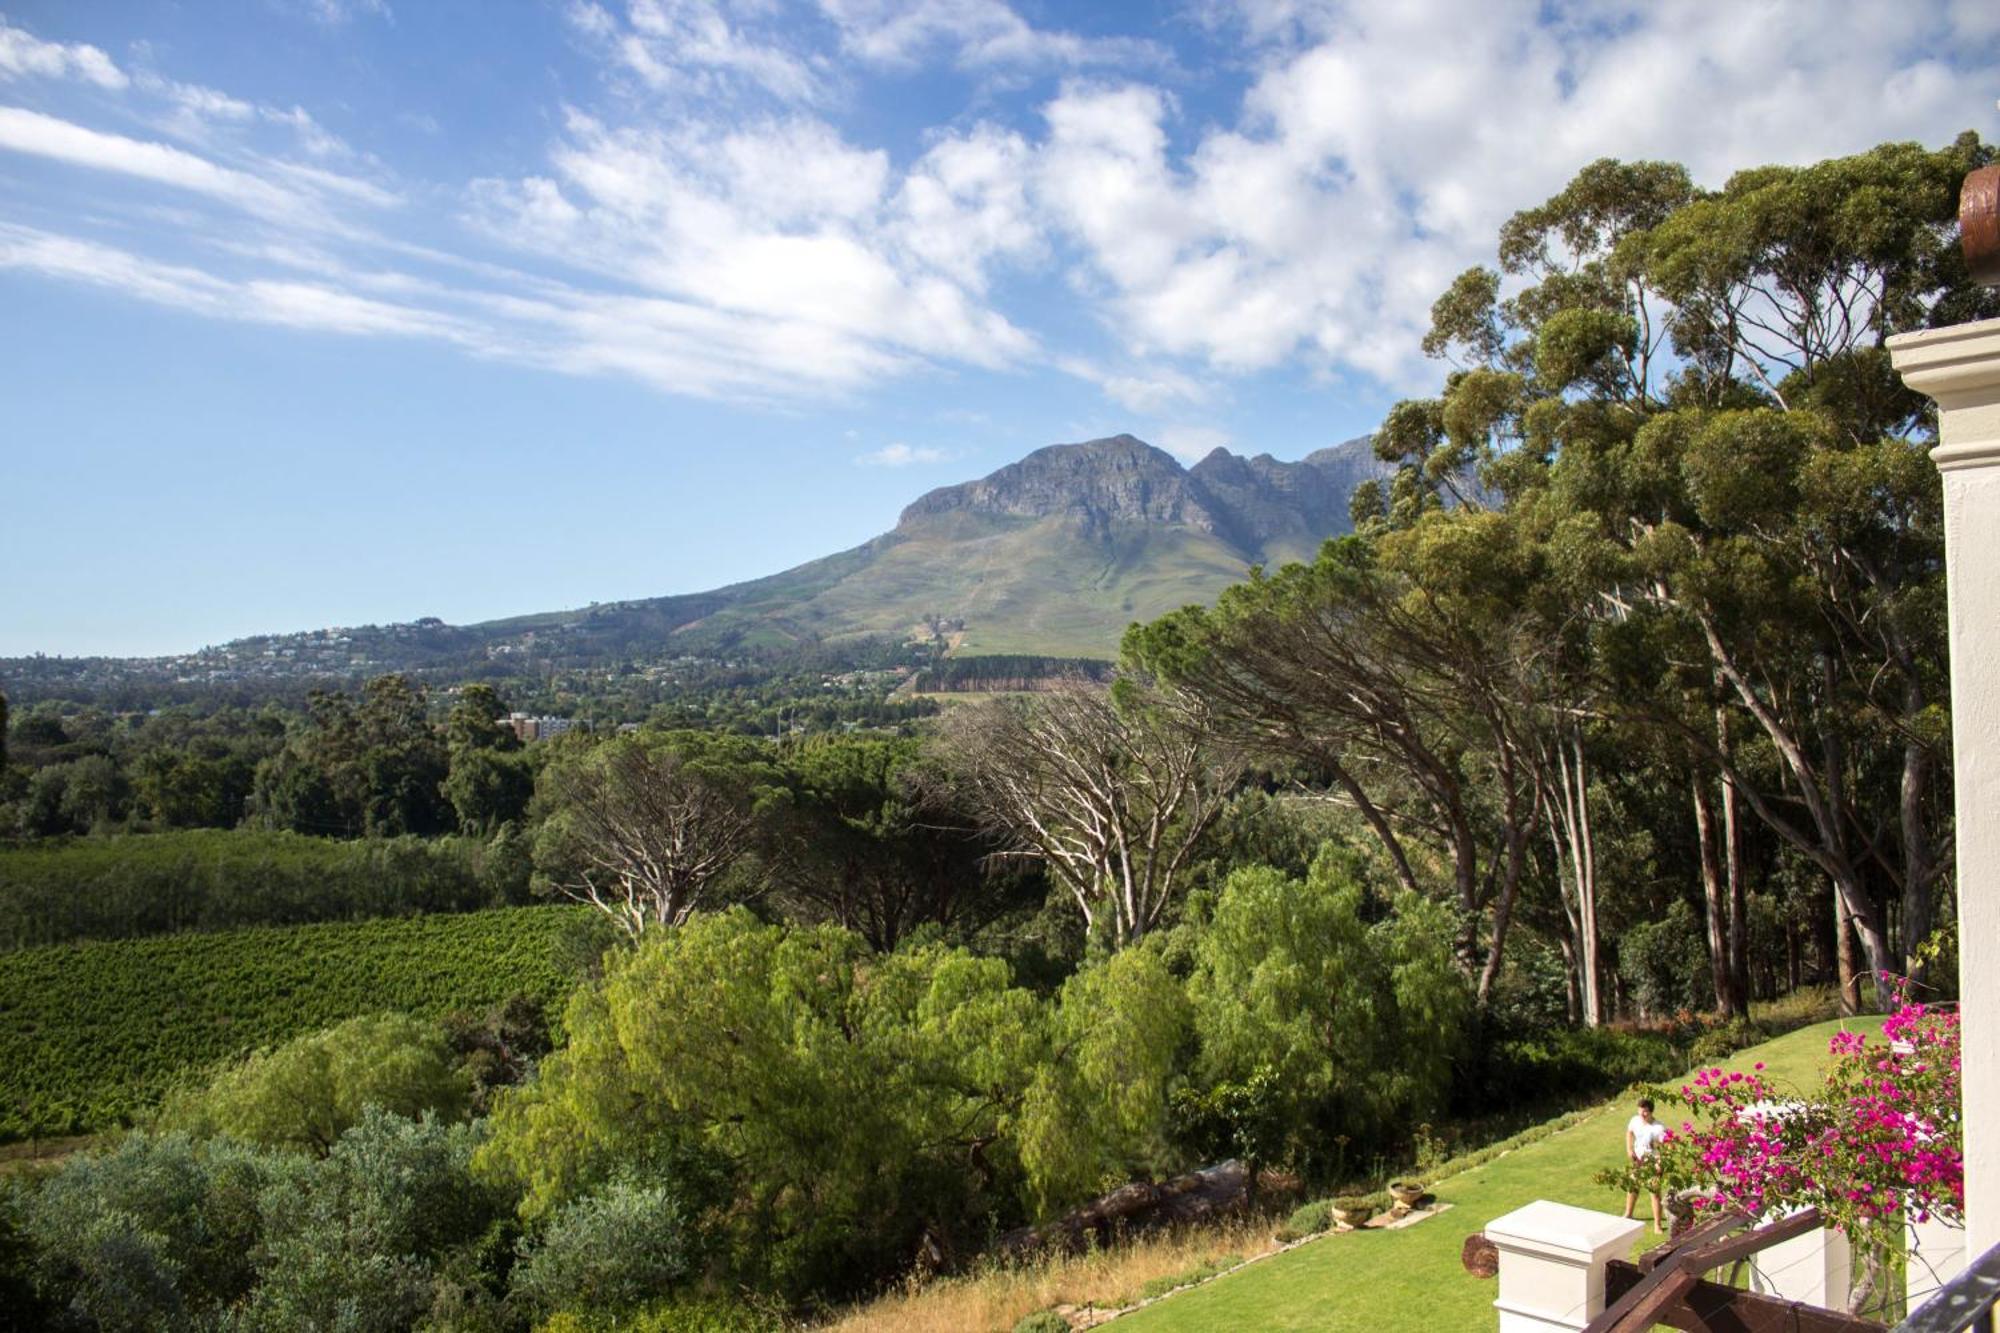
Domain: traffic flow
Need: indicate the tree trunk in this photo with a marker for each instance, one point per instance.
(1918, 870)
(1822, 789)
(1576, 863)
(1715, 904)
(1586, 891)
(1843, 952)
(1572, 1002)
(1732, 863)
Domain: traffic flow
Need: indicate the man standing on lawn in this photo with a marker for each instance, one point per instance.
(1642, 1135)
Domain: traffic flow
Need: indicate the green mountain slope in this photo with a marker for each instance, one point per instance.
(1052, 555)
(1055, 554)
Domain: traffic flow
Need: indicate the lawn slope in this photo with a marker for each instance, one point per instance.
(1411, 1280)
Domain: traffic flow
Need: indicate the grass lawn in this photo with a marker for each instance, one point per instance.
(1386, 1281)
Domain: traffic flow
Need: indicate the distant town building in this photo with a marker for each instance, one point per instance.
(529, 727)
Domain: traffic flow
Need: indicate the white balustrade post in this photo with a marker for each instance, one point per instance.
(1552, 1259)
(1933, 1254)
(1815, 1268)
(1960, 368)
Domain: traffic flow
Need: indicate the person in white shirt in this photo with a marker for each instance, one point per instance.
(1642, 1135)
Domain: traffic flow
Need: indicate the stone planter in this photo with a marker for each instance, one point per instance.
(1407, 1194)
(1353, 1216)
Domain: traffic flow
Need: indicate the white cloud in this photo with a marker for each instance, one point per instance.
(779, 220)
(197, 102)
(1151, 393)
(699, 49)
(333, 13)
(275, 190)
(705, 227)
(694, 50)
(672, 346)
(964, 206)
(901, 455)
(21, 53)
(297, 305)
(31, 132)
(979, 34)
(1380, 147)
(204, 116)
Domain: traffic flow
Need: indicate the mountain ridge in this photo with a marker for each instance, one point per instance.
(1054, 553)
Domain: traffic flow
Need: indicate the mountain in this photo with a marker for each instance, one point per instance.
(1054, 554)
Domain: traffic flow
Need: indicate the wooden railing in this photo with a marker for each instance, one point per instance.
(1667, 1287)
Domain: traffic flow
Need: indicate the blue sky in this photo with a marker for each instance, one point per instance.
(319, 312)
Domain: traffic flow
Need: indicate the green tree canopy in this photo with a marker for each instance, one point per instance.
(306, 1093)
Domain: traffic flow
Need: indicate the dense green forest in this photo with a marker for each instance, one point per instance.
(1006, 671)
(118, 885)
(1624, 706)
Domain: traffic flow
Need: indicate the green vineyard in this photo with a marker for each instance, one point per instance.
(93, 1034)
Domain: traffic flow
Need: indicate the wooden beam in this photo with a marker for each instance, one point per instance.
(1718, 1253)
(1710, 1307)
(1640, 1305)
(1645, 1303)
(1733, 1219)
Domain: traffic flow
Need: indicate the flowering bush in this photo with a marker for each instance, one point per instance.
(1880, 1138)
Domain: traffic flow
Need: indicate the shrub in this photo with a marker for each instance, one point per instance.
(1665, 963)
(1801, 1008)
(1316, 1023)
(160, 1231)
(18, 1295)
(1533, 1134)
(1042, 1321)
(1718, 1044)
(1356, 1208)
(308, 1092)
(372, 1236)
(687, 1314)
(1306, 1220)
(701, 1315)
(614, 1250)
(1566, 1064)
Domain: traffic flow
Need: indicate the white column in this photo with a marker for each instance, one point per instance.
(1933, 1254)
(1960, 368)
(1815, 1268)
(1552, 1259)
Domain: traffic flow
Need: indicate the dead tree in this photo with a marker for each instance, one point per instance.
(1111, 790)
(641, 834)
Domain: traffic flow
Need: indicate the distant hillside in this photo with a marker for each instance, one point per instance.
(1051, 556)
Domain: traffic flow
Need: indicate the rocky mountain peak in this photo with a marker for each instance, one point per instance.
(1121, 478)
(1257, 505)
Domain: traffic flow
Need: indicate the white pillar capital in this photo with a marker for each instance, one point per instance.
(1960, 368)
(1552, 1258)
